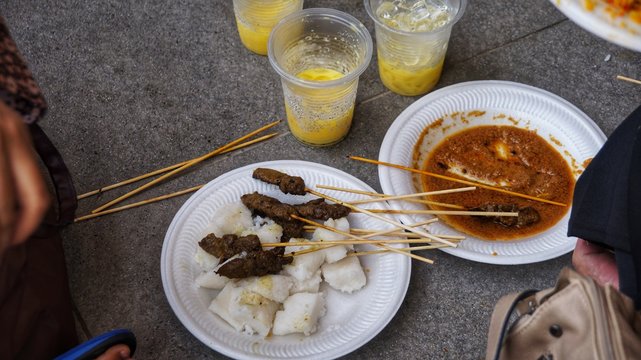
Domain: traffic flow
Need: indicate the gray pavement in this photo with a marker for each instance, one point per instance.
(133, 86)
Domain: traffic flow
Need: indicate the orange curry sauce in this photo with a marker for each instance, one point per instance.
(504, 156)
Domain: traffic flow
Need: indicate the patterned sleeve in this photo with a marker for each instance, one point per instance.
(17, 88)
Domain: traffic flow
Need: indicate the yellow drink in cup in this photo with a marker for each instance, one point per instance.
(319, 54)
(328, 124)
(255, 19)
(406, 81)
(412, 38)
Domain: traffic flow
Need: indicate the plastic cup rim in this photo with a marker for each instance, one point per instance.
(335, 15)
(457, 17)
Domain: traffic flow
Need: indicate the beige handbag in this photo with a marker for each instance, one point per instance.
(577, 319)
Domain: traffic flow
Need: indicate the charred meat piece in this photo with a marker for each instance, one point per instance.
(319, 209)
(229, 245)
(270, 207)
(257, 263)
(291, 229)
(527, 215)
(264, 205)
(288, 184)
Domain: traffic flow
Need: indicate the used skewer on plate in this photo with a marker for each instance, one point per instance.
(408, 197)
(413, 256)
(461, 181)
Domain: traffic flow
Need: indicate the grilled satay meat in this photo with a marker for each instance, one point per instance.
(229, 245)
(288, 184)
(319, 209)
(257, 263)
(315, 209)
(291, 229)
(527, 215)
(266, 206)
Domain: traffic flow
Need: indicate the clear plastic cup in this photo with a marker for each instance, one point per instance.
(255, 19)
(319, 55)
(411, 42)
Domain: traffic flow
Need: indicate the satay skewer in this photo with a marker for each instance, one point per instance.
(328, 243)
(168, 168)
(444, 212)
(416, 257)
(407, 196)
(184, 167)
(460, 181)
(406, 234)
(414, 248)
(394, 231)
(382, 197)
(382, 218)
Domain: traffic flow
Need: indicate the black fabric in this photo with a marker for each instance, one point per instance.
(635, 214)
(607, 198)
(65, 191)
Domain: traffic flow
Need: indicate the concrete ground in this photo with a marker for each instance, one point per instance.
(136, 85)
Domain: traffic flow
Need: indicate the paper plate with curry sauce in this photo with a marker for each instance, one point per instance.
(522, 147)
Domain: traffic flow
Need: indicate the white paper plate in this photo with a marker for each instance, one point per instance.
(351, 320)
(620, 30)
(572, 132)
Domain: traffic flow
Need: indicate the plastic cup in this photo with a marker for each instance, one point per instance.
(410, 62)
(255, 19)
(319, 55)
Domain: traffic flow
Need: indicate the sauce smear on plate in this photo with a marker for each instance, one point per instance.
(502, 156)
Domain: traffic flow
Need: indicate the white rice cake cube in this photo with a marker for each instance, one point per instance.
(205, 260)
(310, 285)
(211, 280)
(304, 266)
(300, 314)
(266, 229)
(273, 287)
(230, 219)
(345, 275)
(245, 311)
(337, 252)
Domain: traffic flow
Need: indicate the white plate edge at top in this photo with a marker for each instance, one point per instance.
(406, 116)
(183, 316)
(595, 23)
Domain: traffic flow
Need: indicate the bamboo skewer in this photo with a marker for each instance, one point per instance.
(415, 248)
(466, 182)
(429, 202)
(186, 166)
(140, 203)
(416, 257)
(381, 232)
(382, 218)
(625, 78)
(330, 243)
(408, 235)
(168, 168)
(445, 212)
(407, 196)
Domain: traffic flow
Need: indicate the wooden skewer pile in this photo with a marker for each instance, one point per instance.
(169, 172)
(399, 234)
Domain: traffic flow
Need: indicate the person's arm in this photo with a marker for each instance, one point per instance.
(24, 198)
(596, 262)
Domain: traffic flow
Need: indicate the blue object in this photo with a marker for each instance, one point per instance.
(95, 347)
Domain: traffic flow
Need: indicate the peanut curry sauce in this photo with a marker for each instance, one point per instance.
(503, 156)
